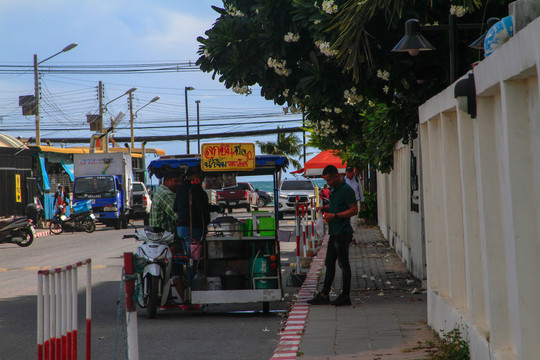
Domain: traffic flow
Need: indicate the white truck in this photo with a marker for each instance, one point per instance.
(106, 179)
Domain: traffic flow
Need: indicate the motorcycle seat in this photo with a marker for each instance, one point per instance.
(5, 222)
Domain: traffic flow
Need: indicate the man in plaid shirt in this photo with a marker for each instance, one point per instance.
(162, 213)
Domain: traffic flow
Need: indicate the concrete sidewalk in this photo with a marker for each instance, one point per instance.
(387, 320)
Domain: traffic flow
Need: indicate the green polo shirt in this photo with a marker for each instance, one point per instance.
(340, 198)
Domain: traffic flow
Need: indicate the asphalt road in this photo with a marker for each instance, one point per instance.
(227, 331)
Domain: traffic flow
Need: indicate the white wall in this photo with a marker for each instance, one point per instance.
(400, 225)
(481, 195)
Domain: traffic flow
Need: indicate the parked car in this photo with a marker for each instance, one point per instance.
(243, 195)
(290, 189)
(141, 202)
(265, 198)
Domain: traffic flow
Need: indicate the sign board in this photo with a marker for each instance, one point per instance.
(228, 157)
(18, 192)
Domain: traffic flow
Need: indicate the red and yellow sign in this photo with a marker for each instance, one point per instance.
(228, 157)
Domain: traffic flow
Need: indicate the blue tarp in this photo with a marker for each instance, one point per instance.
(46, 185)
(69, 169)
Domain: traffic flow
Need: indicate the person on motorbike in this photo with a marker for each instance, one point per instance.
(163, 216)
(61, 200)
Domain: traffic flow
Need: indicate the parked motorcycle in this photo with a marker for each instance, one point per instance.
(85, 221)
(155, 256)
(17, 230)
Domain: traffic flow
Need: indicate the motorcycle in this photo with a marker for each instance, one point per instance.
(17, 230)
(85, 221)
(155, 256)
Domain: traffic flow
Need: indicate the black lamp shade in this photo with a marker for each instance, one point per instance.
(479, 43)
(413, 39)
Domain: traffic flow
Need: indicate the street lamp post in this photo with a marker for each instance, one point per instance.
(198, 129)
(186, 89)
(36, 87)
(133, 117)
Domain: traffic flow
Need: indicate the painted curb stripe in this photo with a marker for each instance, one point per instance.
(291, 336)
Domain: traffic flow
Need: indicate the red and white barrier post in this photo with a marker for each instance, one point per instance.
(131, 310)
(57, 312)
(297, 228)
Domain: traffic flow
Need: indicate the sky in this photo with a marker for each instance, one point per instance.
(122, 32)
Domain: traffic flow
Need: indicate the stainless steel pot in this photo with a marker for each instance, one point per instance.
(225, 226)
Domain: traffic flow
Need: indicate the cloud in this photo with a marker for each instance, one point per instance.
(175, 34)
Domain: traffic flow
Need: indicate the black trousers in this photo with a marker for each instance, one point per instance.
(338, 249)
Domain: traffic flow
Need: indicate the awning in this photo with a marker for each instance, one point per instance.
(176, 165)
(315, 166)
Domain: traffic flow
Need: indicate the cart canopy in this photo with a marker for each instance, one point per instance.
(178, 164)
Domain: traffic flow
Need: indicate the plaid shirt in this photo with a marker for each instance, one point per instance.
(162, 213)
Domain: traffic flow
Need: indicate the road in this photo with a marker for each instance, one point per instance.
(228, 331)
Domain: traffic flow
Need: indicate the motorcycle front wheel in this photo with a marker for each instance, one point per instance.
(27, 237)
(153, 298)
(55, 228)
(89, 226)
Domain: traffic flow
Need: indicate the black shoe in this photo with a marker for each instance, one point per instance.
(341, 300)
(319, 300)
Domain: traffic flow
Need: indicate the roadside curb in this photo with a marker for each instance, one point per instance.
(42, 233)
(291, 335)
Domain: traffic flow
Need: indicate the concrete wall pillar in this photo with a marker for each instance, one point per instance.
(491, 222)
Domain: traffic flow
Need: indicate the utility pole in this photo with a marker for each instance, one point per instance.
(131, 118)
(36, 100)
(100, 96)
(198, 129)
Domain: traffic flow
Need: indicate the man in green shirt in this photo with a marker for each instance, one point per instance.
(161, 212)
(162, 215)
(341, 207)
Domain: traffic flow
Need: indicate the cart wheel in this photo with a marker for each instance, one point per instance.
(266, 307)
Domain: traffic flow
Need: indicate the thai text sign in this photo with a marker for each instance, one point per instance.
(228, 157)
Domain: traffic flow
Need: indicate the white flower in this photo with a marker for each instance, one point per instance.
(278, 66)
(385, 89)
(324, 48)
(233, 11)
(206, 53)
(290, 37)
(243, 90)
(351, 97)
(458, 10)
(329, 7)
(327, 110)
(316, 22)
(385, 75)
(337, 110)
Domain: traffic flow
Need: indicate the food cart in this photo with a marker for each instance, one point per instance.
(241, 257)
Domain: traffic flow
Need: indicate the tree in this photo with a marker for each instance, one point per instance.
(287, 145)
(331, 59)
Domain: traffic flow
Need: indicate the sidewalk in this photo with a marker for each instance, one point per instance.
(386, 321)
